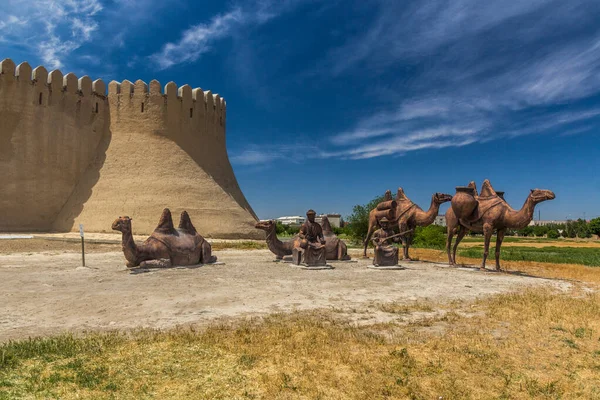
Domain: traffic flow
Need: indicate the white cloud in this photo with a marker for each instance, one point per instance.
(198, 39)
(57, 26)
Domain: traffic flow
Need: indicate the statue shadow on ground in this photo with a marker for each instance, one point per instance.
(143, 270)
(466, 267)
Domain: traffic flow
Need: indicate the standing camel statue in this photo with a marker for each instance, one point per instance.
(485, 213)
(182, 246)
(408, 216)
(335, 249)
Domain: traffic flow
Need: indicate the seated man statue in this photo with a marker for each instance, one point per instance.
(311, 249)
(386, 255)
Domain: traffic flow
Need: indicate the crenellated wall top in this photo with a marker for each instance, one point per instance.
(183, 93)
(55, 79)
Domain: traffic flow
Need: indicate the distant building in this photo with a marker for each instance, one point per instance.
(335, 220)
(295, 220)
(440, 220)
(546, 222)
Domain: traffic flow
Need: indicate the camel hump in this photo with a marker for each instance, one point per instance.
(401, 196)
(185, 223)
(165, 225)
(326, 225)
(473, 185)
(487, 190)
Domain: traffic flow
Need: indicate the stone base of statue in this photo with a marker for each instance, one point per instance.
(313, 257)
(389, 267)
(385, 256)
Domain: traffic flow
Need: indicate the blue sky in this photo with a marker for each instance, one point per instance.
(330, 103)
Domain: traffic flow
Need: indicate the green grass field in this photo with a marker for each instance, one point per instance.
(550, 254)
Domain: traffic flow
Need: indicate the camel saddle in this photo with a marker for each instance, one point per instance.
(487, 199)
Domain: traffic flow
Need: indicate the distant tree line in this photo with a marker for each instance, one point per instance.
(572, 229)
(291, 230)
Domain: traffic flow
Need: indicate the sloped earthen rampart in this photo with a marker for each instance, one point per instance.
(76, 155)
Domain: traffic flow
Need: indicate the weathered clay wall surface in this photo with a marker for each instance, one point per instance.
(156, 149)
(50, 128)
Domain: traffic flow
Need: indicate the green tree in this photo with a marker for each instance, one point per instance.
(594, 226)
(553, 234)
(358, 221)
(540, 230)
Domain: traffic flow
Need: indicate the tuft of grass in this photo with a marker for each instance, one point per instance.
(243, 245)
(550, 254)
(538, 343)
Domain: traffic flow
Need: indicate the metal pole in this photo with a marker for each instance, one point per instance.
(82, 245)
(82, 252)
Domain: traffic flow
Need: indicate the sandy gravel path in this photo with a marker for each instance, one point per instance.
(47, 293)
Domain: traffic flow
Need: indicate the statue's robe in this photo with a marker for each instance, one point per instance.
(313, 252)
(385, 254)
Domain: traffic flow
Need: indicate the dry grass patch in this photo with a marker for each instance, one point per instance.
(536, 344)
(239, 245)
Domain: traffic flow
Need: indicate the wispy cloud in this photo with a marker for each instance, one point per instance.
(199, 38)
(258, 155)
(54, 27)
(482, 66)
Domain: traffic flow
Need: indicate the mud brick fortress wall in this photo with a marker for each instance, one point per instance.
(70, 153)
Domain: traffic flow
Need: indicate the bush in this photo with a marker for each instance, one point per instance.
(527, 231)
(286, 230)
(540, 230)
(358, 221)
(553, 234)
(432, 237)
(594, 226)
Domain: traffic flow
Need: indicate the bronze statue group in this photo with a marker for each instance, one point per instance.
(486, 212)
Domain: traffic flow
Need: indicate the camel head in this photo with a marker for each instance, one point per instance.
(267, 225)
(441, 198)
(539, 195)
(122, 224)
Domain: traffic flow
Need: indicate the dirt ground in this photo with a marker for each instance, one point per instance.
(46, 291)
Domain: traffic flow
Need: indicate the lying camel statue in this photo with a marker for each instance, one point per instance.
(485, 213)
(335, 249)
(182, 246)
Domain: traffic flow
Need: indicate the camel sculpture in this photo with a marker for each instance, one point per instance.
(335, 249)
(485, 213)
(167, 245)
(407, 215)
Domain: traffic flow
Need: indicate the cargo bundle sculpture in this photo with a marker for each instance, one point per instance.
(166, 245)
(485, 213)
(406, 214)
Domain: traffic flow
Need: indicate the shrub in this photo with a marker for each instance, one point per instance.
(358, 221)
(553, 234)
(432, 236)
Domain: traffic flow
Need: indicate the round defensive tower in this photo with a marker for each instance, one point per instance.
(151, 149)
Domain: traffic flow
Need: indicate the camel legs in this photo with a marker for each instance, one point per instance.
(206, 254)
(406, 240)
(461, 234)
(449, 236)
(487, 233)
(368, 238)
(342, 251)
(499, 239)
